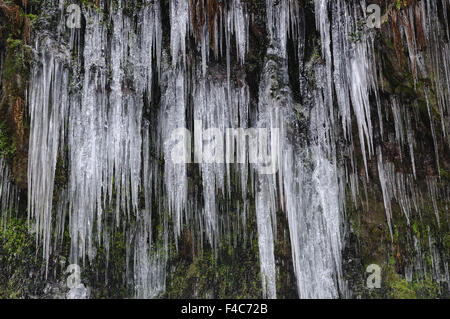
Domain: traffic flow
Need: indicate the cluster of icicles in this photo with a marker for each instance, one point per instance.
(92, 106)
(8, 193)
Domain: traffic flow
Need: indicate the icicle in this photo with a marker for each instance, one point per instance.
(213, 115)
(411, 141)
(179, 24)
(265, 207)
(433, 192)
(236, 22)
(401, 194)
(398, 124)
(386, 180)
(239, 16)
(307, 180)
(355, 73)
(149, 266)
(438, 45)
(359, 92)
(172, 118)
(48, 111)
(323, 26)
(437, 273)
(8, 193)
(433, 130)
(151, 39)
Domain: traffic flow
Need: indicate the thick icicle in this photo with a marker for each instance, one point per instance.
(307, 178)
(172, 128)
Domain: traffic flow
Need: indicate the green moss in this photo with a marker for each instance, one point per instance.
(7, 146)
(401, 289)
(16, 69)
(32, 17)
(444, 174)
(20, 263)
(91, 4)
(233, 274)
(106, 275)
(421, 289)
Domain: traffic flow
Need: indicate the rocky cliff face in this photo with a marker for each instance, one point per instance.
(310, 139)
